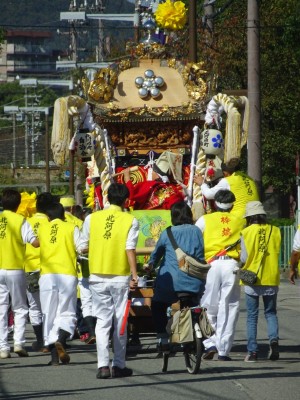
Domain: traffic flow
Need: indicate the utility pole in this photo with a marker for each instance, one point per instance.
(192, 31)
(136, 22)
(13, 110)
(254, 135)
(47, 147)
(26, 129)
(208, 21)
(100, 50)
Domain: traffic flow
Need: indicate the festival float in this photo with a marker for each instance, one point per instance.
(132, 111)
(142, 109)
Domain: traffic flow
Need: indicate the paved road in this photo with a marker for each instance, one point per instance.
(31, 378)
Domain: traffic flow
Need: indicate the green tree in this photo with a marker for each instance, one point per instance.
(225, 52)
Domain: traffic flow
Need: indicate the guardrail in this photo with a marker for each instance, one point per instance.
(287, 237)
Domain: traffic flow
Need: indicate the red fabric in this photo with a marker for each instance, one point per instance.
(151, 195)
(98, 195)
(141, 174)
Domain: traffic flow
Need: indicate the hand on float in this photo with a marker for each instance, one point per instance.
(198, 179)
(133, 282)
(126, 173)
(147, 268)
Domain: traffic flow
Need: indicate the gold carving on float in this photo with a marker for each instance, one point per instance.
(160, 137)
(101, 88)
(146, 50)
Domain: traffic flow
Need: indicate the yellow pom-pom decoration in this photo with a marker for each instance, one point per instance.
(27, 206)
(171, 15)
(90, 200)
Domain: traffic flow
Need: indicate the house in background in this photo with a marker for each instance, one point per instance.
(27, 53)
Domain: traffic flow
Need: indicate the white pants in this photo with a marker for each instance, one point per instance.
(13, 284)
(109, 303)
(85, 297)
(35, 309)
(58, 300)
(221, 299)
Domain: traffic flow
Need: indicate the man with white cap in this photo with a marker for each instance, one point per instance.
(243, 187)
(260, 247)
(221, 298)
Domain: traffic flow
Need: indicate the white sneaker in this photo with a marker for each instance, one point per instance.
(18, 349)
(4, 354)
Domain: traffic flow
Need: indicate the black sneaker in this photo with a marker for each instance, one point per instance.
(121, 372)
(274, 351)
(103, 373)
(224, 358)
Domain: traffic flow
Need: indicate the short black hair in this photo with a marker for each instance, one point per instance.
(43, 200)
(117, 193)
(181, 213)
(55, 210)
(11, 199)
(224, 196)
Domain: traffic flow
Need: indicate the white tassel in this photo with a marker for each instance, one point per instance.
(72, 143)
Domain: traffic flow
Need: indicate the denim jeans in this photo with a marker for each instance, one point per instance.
(252, 304)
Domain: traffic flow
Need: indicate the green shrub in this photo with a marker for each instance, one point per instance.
(282, 221)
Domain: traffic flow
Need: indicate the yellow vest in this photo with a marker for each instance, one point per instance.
(58, 253)
(32, 254)
(221, 230)
(107, 245)
(71, 218)
(244, 189)
(12, 247)
(256, 237)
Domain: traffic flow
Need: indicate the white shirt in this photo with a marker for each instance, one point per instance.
(210, 193)
(296, 243)
(200, 223)
(27, 233)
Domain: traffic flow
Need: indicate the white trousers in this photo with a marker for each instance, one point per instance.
(109, 303)
(58, 297)
(35, 309)
(221, 299)
(85, 297)
(13, 286)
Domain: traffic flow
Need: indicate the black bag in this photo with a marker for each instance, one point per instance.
(248, 277)
(188, 264)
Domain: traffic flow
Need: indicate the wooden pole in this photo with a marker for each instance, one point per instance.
(192, 32)
(254, 96)
(71, 160)
(47, 145)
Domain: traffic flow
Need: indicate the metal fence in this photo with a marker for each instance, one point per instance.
(287, 237)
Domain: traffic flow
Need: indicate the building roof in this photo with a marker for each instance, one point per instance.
(27, 33)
